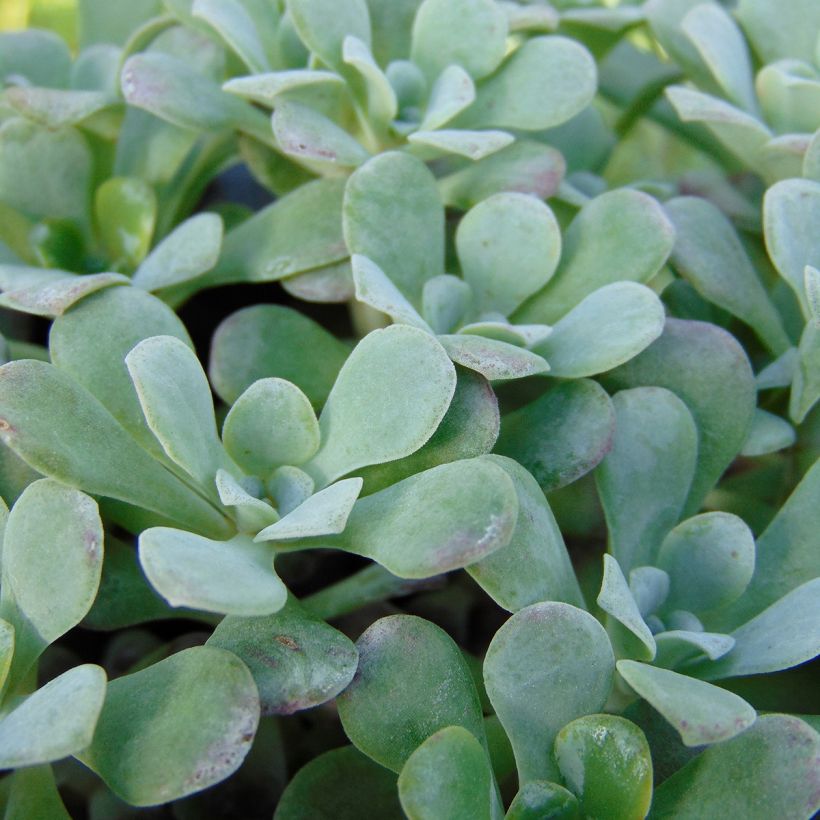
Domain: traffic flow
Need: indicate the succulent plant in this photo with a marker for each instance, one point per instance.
(409, 408)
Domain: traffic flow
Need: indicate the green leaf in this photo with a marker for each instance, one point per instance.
(705, 367)
(548, 664)
(252, 513)
(265, 88)
(479, 47)
(388, 399)
(296, 659)
(811, 281)
(526, 167)
(56, 721)
(230, 19)
(324, 513)
(445, 299)
(554, 78)
(52, 560)
(508, 246)
(44, 173)
(710, 560)
(608, 327)
(630, 635)
(233, 577)
(33, 795)
(40, 56)
(539, 799)
(447, 776)
(6, 651)
(211, 711)
(452, 91)
(782, 636)
(301, 231)
(190, 250)
(535, 565)
(789, 93)
(126, 210)
(678, 645)
(305, 134)
(274, 341)
(806, 385)
(644, 481)
(382, 104)
(289, 487)
(54, 293)
(605, 760)
(270, 424)
(769, 434)
(324, 24)
(90, 343)
(786, 30)
(493, 359)
(342, 784)
(632, 240)
(100, 23)
(701, 713)
(56, 107)
(562, 435)
(393, 215)
(399, 698)
(771, 768)
(709, 254)
(376, 289)
(474, 145)
(791, 209)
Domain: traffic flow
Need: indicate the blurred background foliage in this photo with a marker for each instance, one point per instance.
(57, 15)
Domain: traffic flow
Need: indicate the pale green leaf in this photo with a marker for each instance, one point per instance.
(769, 434)
(324, 24)
(452, 91)
(230, 19)
(376, 289)
(493, 359)
(265, 88)
(57, 294)
(474, 145)
(616, 599)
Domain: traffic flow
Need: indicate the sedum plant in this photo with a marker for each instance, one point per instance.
(503, 502)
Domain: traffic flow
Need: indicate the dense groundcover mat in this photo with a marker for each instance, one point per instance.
(409, 408)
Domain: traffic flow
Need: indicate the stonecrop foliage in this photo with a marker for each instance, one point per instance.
(503, 502)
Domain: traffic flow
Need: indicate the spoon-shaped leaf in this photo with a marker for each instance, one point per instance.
(622, 235)
(387, 401)
(605, 760)
(474, 145)
(701, 713)
(495, 360)
(644, 480)
(539, 798)
(252, 513)
(233, 577)
(230, 19)
(447, 776)
(452, 91)
(265, 88)
(324, 24)
(56, 721)
(376, 289)
(705, 367)
(296, 659)
(270, 424)
(343, 784)
(772, 768)
(508, 246)
(678, 645)
(562, 435)
(272, 340)
(529, 664)
(64, 432)
(55, 295)
(399, 697)
(710, 560)
(176, 401)
(393, 215)
(382, 104)
(535, 565)
(211, 710)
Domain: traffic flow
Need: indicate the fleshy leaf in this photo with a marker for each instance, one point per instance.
(607, 328)
(176, 400)
(786, 30)
(375, 288)
(382, 104)
(211, 710)
(189, 251)
(447, 776)
(265, 88)
(554, 79)
(270, 424)
(525, 671)
(627, 625)
(539, 798)
(399, 698)
(324, 24)
(445, 300)
(324, 513)
(650, 588)
(56, 721)
(233, 23)
(452, 91)
(126, 210)
(605, 760)
(562, 435)
(6, 651)
(772, 768)
(343, 784)
(535, 565)
(710, 560)
(388, 399)
(474, 145)
(678, 645)
(480, 46)
(493, 359)
(705, 367)
(274, 341)
(709, 254)
(702, 713)
(57, 295)
(393, 215)
(644, 480)
(632, 240)
(252, 513)
(33, 793)
(806, 385)
(233, 577)
(508, 246)
(769, 433)
(296, 659)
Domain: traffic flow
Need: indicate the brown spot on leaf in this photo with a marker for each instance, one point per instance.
(287, 642)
